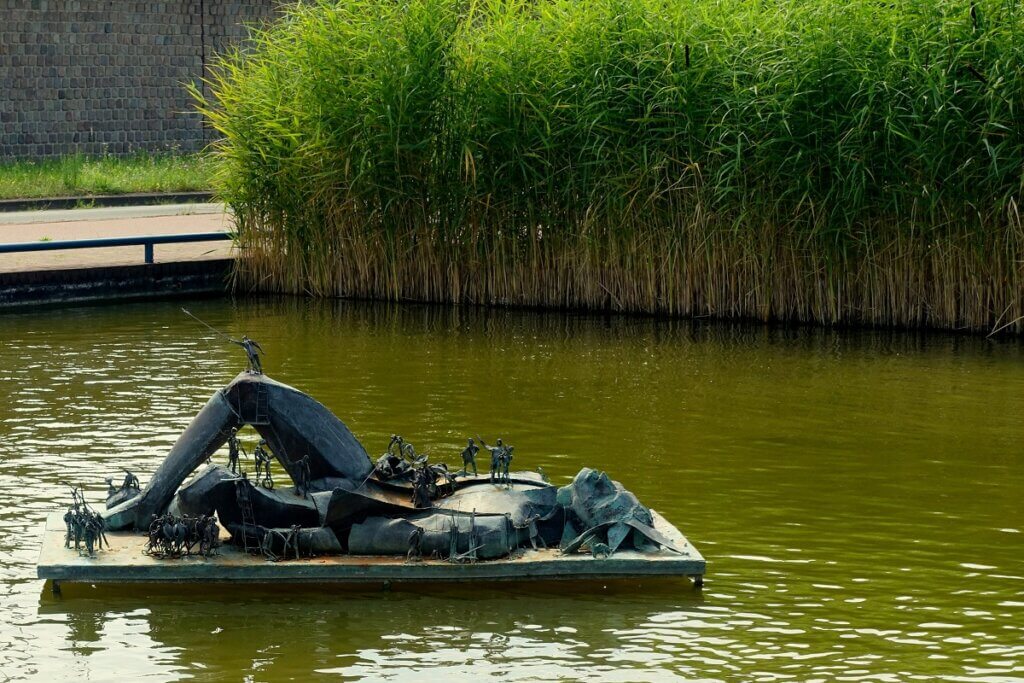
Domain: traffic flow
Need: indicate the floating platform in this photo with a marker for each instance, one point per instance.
(125, 561)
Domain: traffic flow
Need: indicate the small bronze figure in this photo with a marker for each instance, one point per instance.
(90, 538)
(69, 518)
(155, 525)
(78, 526)
(422, 481)
(210, 532)
(505, 460)
(302, 476)
(469, 457)
(409, 453)
(263, 459)
(252, 348)
(252, 352)
(101, 531)
(496, 452)
(234, 450)
(130, 481)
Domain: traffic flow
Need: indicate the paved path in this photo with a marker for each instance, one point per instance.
(71, 224)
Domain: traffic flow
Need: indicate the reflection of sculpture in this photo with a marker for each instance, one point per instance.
(400, 505)
(469, 457)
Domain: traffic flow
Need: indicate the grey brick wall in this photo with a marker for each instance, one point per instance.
(106, 76)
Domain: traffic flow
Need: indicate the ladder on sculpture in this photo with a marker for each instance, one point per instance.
(260, 408)
(262, 416)
(244, 497)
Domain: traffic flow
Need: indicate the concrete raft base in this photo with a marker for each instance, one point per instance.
(125, 561)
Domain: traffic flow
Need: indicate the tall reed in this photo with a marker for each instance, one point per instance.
(780, 159)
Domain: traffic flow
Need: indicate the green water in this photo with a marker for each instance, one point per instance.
(857, 495)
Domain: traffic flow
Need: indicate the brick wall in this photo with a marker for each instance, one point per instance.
(105, 76)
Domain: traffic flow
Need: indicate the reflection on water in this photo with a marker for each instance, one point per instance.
(857, 494)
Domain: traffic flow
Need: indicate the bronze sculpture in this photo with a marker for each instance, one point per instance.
(343, 501)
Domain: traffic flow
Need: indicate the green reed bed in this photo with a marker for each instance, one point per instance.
(788, 159)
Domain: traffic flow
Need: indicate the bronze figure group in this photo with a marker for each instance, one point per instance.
(171, 536)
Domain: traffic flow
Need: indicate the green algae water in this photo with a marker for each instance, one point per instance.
(857, 495)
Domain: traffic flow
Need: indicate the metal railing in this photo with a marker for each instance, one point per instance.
(147, 241)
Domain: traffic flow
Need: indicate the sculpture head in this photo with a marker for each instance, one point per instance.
(499, 442)
(470, 441)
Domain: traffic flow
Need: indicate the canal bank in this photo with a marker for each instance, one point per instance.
(157, 254)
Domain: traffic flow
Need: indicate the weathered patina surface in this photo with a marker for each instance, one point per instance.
(400, 505)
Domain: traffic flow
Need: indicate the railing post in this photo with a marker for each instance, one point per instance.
(149, 252)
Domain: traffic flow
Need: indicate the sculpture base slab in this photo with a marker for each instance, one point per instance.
(126, 562)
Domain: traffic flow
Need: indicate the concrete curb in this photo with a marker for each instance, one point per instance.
(104, 200)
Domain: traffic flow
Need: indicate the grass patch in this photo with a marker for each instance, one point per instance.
(80, 175)
(856, 161)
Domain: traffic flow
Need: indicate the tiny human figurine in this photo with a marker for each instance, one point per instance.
(410, 454)
(263, 459)
(469, 457)
(395, 441)
(252, 351)
(421, 483)
(90, 538)
(506, 460)
(496, 453)
(130, 481)
(78, 526)
(234, 448)
(69, 518)
(302, 476)
(101, 531)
